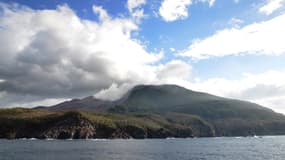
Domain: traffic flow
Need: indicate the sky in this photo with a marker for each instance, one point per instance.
(56, 50)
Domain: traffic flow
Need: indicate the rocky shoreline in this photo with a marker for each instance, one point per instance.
(74, 125)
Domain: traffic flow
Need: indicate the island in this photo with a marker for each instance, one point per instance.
(145, 111)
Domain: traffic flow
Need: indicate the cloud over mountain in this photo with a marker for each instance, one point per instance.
(48, 54)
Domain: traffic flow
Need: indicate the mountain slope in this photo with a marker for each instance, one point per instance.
(90, 104)
(229, 117)
(172, 98)
(180, 112)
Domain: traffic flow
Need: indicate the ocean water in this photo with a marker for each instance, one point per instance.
(265, 148)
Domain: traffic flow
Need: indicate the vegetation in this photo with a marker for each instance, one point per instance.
(145, 112)
(227, 117)
(14, 124)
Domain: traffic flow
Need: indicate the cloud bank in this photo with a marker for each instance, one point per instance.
(262, 38)
(266, 88)
(53, 54)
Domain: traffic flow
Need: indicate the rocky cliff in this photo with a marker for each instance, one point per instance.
(80, 125)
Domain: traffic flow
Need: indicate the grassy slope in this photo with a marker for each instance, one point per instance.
(229, 117)
(160, 111)
(18, 123)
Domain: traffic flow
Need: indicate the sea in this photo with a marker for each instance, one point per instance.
(221, 148)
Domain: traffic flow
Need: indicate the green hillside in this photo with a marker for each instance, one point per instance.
(146, 111)
(227, 116)
(34, 123)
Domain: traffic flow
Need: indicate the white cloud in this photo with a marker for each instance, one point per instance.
(135, 8)
(103, 15)
(270, 6)
(241, 88)
(267, 89)
(276, 103)
(171, 10)
(264, 38)
(114, 92)
(173, 69)
(53, 54)
(132, 4)
(172, 49)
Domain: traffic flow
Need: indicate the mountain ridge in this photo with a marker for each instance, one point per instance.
(97, 102)
(145, 111)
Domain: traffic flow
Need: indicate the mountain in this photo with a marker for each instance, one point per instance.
(90, 104)
(146, 111)
(171, 98)
(228, 117)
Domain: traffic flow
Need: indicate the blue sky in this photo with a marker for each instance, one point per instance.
(202, 22)
(224, 47)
